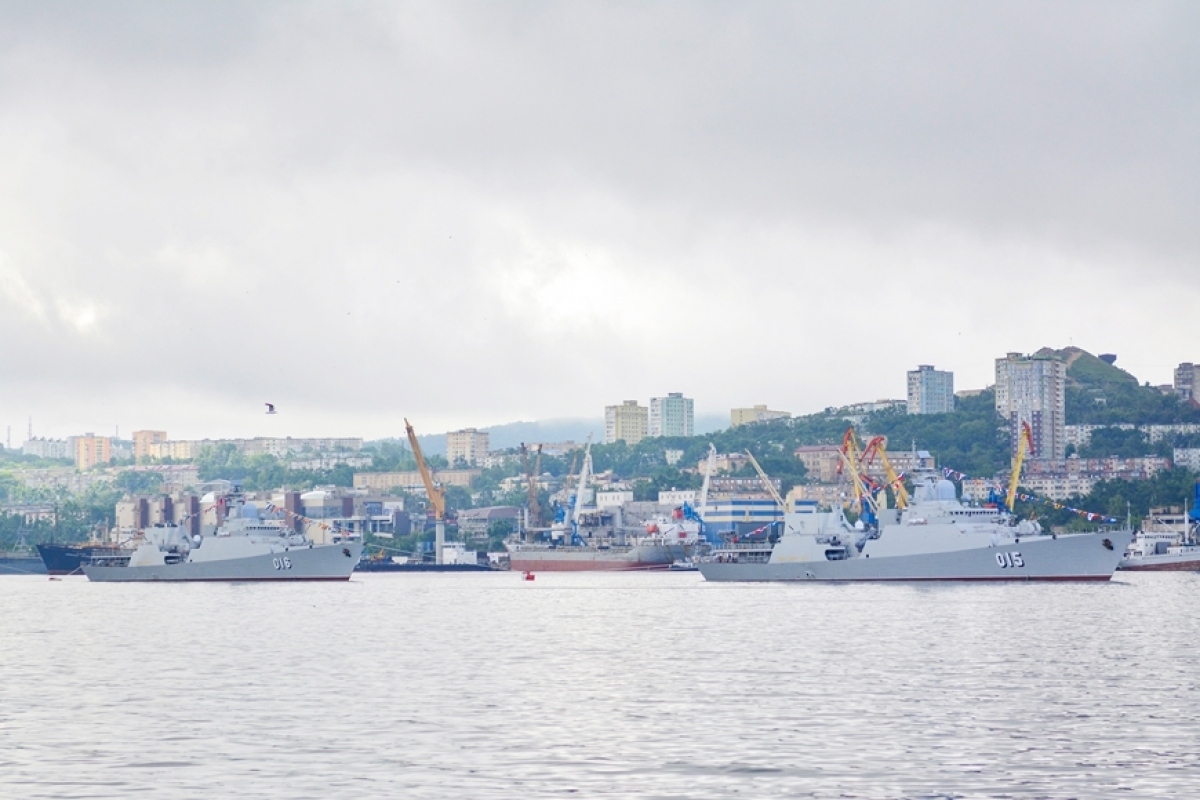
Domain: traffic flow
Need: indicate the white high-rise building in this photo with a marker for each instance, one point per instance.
(673, 415)
(1032, 389)
(930, 391)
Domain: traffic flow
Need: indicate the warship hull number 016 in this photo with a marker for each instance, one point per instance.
(936, 538)
(245, 548)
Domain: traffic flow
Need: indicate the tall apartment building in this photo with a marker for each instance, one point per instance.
(1032, 389)
(92, 450)
(930, 391)
(1187, 381)
(746, 416)
(673, 415)
(143, 440)
(469, 444)
(627, 422)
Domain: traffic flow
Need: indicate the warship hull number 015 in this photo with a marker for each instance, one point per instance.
(936, 538)
(246, 547)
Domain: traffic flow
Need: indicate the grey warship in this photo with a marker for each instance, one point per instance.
(937, 538)
(246, 547)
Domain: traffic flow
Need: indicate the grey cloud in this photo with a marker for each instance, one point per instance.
(372, 206)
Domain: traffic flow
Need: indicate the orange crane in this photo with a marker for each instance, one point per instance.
(436, 494)
(878, 447)
(1024, 438)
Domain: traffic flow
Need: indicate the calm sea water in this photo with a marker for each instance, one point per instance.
(592, 685)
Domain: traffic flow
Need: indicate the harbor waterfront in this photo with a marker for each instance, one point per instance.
(485, 685)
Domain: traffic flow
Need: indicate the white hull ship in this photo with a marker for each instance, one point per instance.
(937, 538)
(1166, 543)
(246, 548)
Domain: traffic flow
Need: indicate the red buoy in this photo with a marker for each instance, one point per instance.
(528, 575)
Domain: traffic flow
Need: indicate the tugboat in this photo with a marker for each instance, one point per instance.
(246, 547)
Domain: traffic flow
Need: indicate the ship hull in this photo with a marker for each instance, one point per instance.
(1082, 557)
(391, 566)
(587, 559)
(1162, 563)
(22, 565)
(66, 559)
(322, 563)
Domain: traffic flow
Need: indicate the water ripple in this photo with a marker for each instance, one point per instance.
(653, 685)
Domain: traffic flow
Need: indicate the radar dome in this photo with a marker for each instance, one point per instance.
(946, 491)
(250, 511)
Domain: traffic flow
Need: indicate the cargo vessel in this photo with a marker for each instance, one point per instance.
(594, 539)
(67, 559)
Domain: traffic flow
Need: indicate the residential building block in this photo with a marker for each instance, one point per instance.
(469, 444)
(1032, 389)
(627, 422)
(748, 416)
(673, 415)
(930, 391)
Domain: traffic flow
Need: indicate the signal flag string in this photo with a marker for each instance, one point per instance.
(1090, 516)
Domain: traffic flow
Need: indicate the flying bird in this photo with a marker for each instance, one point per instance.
(270, 408)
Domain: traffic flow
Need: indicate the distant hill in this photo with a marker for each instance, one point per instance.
(511, 434)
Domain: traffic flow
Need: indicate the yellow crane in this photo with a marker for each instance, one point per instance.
(437, 495)
(851, 460)
(1024, 438)
(878, 447)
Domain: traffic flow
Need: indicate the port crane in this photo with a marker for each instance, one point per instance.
(535, 509)
(709, 469)
(767, 482)
(435, 492)
(851, 461)
(585, 472)
(1024, 448)
(878, 447)
(762, 475)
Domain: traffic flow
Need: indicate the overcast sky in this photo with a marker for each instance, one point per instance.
(471, 214)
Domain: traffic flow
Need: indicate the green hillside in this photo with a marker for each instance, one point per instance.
(1099, 393)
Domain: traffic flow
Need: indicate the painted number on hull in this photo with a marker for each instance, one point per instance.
(281, 563)
(1006, 560)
